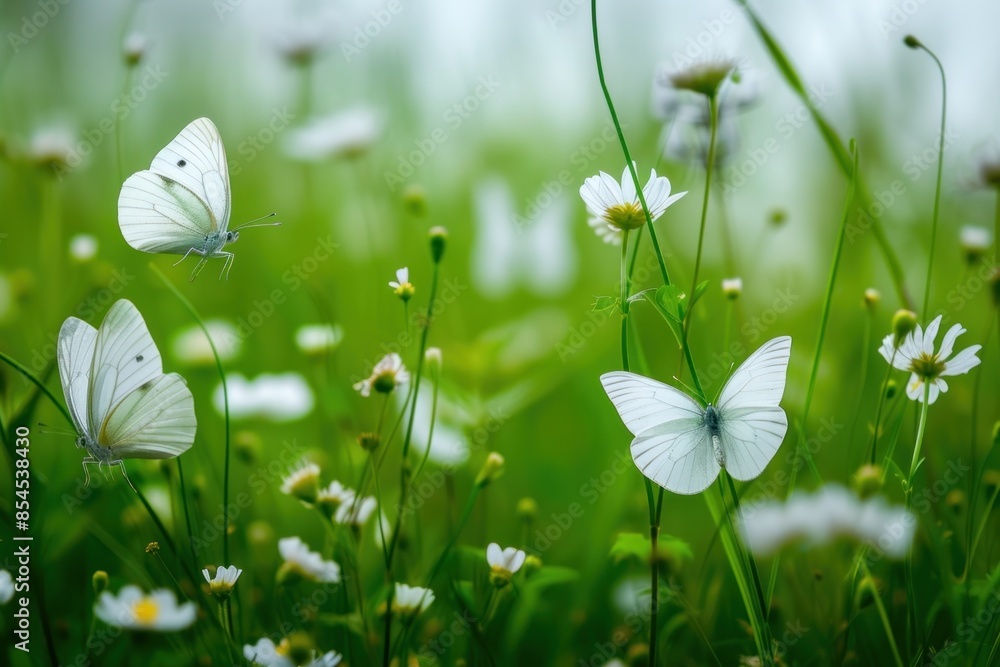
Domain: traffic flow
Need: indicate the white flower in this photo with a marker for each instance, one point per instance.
(191, 345)
(6, 586)
(318, 338)
(831, 512)
(83, 247)
(303, 483)
(615, 206)
(336, 494)
(402, 286)
(975, 241)
(278, 398)
(355, 512)
(265, 652)
(503, 563)
(299, 39)
(132, 609)
(53, 148)
(916, 355)
(304, 562)
(224, 582)
(135, 47)
(449, 446)
(347, 133)
(411, 599)
(388, 374)
(732, 287)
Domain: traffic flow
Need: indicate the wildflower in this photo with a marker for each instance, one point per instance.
(153, 548)
(192, 346)
(732, 288)
(916, 355)
(388, 374)
(903, 322)
(334, 496)
(278, 398)
(614, 207)
(132, 609)
(433, 359)
(368, 441)
(355, 512)
(99, 581)
(6, 586)
(301, 562)
(224, 582)
(300, 40)
(704, 78)
(83, 247)
(319, 338)
(53, 148)
(439, 239)
(401, 286)
(411, 599)
(134, 48)
(830, 512)
(346, 134)
(492, 468)
(872, 297)
(503, 563)
(287, 654)
(975, 241)
(303, 483)
(868, 480)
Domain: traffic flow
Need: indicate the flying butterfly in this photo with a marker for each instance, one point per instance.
(683, 446)
(181, 204)
(121, 403)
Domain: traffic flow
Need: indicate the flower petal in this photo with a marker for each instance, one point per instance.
(930, 334)
(948, 343)
(963, 362)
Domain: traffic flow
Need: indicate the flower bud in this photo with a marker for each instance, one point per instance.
(705, 78)
(912, 42)
(415, 200)
(903, 323)
(975, 241)
(891, 388)
(868, 481)
(527, 509)
(492, 468)
(439, 239)
(872, 297)
(433, 359)
(368, 441)
(732, 288)
(248, 446)
(100, 581)
(134, 48)
(300, 648)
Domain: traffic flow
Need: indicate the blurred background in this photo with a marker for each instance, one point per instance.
(363, 124)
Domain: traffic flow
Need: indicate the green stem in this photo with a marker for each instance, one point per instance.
(624, 299)
(883, 390)
(225, 400)
(883, 617)
(624, 144)
(187, 513)
(38, 383)
(911, 603)
(119, 151)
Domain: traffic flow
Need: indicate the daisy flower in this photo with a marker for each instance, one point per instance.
(132, 609)
(916, 355)
(265, 652)
(302, 562)
(224, 582)
(303, 483)
(402, 286)
(347, 134)
(732, 287)
(83, 247)
(614, 207)
(192, 346)
(276, 397)
(319, 338)
(411, 599)
(975, 241)
(355, 512)
(388, 374)
(334, 496)
(823, 516)
(503, 563)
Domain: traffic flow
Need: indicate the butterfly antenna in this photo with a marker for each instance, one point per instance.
(56, 430)
(690, 391)
(258, 223)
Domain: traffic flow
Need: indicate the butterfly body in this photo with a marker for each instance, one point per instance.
(683, 446)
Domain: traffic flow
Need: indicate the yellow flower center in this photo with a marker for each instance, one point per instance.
(145, 611)
(625, 216)
(384, 382)
(284, 647)
(927, 366)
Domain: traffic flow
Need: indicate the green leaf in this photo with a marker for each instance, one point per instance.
(699, 291)
(605, 303)
(671, 299)
(631, 545)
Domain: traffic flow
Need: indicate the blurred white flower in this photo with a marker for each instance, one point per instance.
(319, 338)
(527, 245)
(821, 517)
(299, 39)
(411, 599)
(6, 586)
(132, 609)
(615, 206)
(975, 241)
(302, 561)
(347, 133)
(335, 494)
(388, 374)
(53, 148)
(191, 346)
(83, 247)
(401, 286)
(224, 581)
(450, 446)
(134, 48)
(278, 398)
(503, 563)
(732, 288)
(265, 652)
(916, 355)
(303, 483)
(355, 511)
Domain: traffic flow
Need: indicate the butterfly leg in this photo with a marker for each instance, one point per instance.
(121, 464)
(199, 266)
(185, 256)
(86, 470)
(230, 257)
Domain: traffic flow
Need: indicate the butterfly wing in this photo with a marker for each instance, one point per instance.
(182, 198)
(75, 355)
(672, 447)
(156, 421)
(125, 357)
(752, 425)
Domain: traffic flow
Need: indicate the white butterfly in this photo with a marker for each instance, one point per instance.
(122, 404)
(181, 204)
(682, 446)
